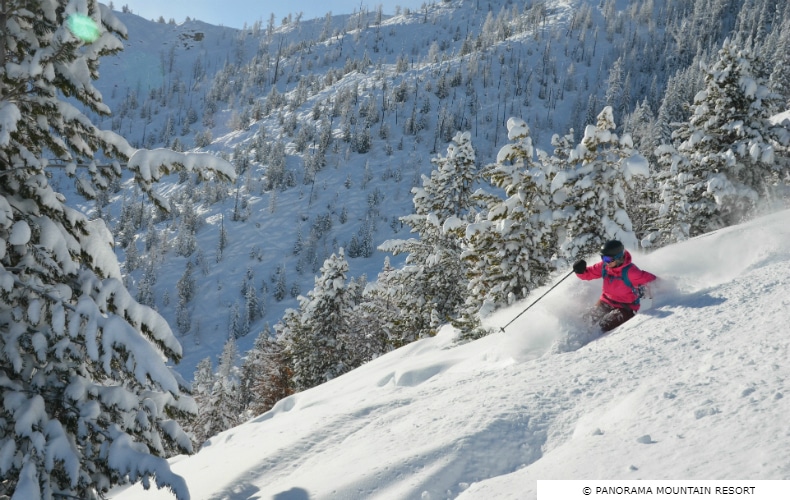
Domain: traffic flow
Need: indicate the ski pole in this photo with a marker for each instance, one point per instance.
(536, 301)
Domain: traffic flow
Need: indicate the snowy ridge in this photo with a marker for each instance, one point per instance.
(692, 388)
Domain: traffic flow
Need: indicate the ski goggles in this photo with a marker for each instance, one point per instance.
(608, 259)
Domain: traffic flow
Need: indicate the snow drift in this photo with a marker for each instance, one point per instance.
(692, 388)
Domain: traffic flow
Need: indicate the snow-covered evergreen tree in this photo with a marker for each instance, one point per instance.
(449, 190)
(222, 243)
(145, 292)
(186, 241)
(226, 387)
(432, 283)
(186, 284)
(595, 210)
(729, 142)
(683, 202)
(235, 321)
(280, 285)
(185, 287)
(780, 77)
(252, 305)
(87, 400)
(217, 395)
(508, 252)
(641, 125)
(378, 313)
(202, 387)
(316, 338)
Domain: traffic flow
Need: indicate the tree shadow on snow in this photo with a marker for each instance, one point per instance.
(292, 494)
(244, 491)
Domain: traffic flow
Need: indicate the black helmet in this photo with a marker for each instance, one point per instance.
(612, 248)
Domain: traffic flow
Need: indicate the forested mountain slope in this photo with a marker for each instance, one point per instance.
(332, 122)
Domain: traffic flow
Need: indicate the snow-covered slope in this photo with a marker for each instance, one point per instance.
(693, 388)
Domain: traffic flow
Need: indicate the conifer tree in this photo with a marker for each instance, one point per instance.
(595, 210)
(185, 288)
(366, 338)
(317, 340)
(132, 260)
(378, 313)
(641, 126)
(227, 401)
(509, 251)
(186, 284)
(729, 141)
(252, 306)
(217, 395)
(223, 238)
(280, 286)
(266, 375)
(684, 207)
(87, 400)
(615, 88)
(202, 387)
(780, 77)
(559, 162)
(432, 281)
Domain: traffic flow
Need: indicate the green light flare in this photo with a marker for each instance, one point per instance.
(83, 27)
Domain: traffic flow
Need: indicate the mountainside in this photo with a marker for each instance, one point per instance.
(272, 208)
(694, 387)
(330, 124)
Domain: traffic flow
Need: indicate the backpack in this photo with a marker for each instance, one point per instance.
(624, 276)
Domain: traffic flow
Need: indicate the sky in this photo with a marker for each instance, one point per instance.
(692, 392)
(235, 13)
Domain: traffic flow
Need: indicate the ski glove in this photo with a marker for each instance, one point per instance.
(579, 266)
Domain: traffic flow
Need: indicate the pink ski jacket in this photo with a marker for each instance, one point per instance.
(615, 292)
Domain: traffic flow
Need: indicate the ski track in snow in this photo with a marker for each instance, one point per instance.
(693, 387)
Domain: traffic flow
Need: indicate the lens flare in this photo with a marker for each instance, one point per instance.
(83, 27)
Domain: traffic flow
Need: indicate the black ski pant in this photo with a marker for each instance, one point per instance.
(607, 317)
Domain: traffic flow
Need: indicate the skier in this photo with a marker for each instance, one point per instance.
(622, 283)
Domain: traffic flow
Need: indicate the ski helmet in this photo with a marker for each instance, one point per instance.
(613, 248)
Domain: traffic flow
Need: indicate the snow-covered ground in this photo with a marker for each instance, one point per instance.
(695, 387)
